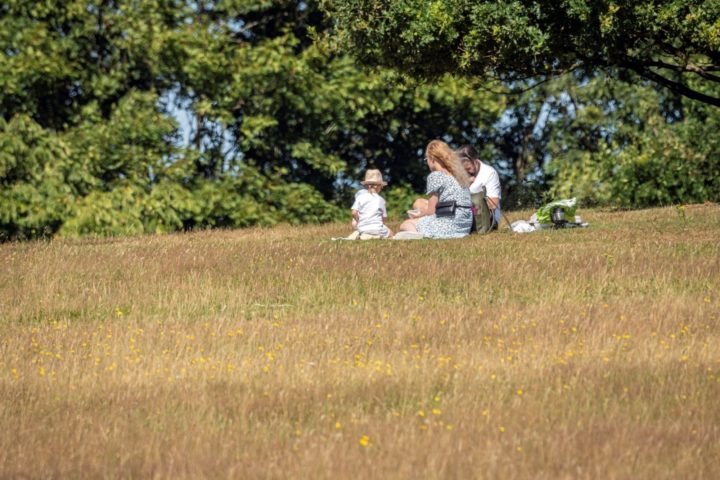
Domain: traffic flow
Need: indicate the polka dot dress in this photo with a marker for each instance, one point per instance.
(447, 188)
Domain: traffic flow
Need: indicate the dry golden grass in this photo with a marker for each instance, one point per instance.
(277, 353)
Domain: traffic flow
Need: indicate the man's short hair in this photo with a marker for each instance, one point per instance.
(467, 153)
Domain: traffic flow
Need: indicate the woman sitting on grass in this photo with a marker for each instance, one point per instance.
(447, 181)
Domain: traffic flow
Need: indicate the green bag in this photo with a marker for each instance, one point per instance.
(484, 219)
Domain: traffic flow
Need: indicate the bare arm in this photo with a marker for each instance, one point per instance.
(356, 215)
(432, 203)
(493, 202)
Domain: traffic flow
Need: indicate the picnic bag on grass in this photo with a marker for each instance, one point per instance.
(484, 219)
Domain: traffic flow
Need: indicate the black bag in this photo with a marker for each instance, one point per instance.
(445, 209)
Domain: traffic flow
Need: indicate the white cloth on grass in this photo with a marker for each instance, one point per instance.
(521, 226)
(408, 236)
(359, 236)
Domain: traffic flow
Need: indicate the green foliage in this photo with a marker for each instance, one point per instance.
(61, 55)
(35, 197)
(88, 144)
(281, 126)
(245, 201)
(619, 148)
(399, 200)
(667, 42)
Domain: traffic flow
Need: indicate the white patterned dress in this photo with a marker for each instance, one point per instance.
(447, 188)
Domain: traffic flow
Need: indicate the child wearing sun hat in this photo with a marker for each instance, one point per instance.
(369, 212)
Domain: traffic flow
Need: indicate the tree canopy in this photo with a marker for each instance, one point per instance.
(280, 127)
(675, 44)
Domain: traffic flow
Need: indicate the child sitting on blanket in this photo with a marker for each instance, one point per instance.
(369, 212)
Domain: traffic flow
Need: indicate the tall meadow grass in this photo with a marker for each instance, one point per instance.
(591, 353)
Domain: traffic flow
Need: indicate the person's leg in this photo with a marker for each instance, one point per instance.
(409, 225)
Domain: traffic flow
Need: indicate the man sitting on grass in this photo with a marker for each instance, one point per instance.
(482, 175)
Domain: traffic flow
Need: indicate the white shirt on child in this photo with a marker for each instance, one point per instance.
(371, 209)
(488, 177)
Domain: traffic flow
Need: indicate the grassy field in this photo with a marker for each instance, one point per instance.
(277, 353)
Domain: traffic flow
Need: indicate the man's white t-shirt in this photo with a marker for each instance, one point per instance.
(371, 210)
(488, 177)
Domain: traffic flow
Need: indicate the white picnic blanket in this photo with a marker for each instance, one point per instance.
(360, 236)
(368, 236)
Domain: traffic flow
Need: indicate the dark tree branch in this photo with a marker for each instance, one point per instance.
(673, 86)
(550, 75)
(516, 91)
(703, 71)
(690, 68)
(685, 53)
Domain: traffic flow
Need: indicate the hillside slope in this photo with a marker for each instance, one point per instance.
(278, 353)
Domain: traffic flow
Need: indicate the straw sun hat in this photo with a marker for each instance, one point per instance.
(374, 177)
